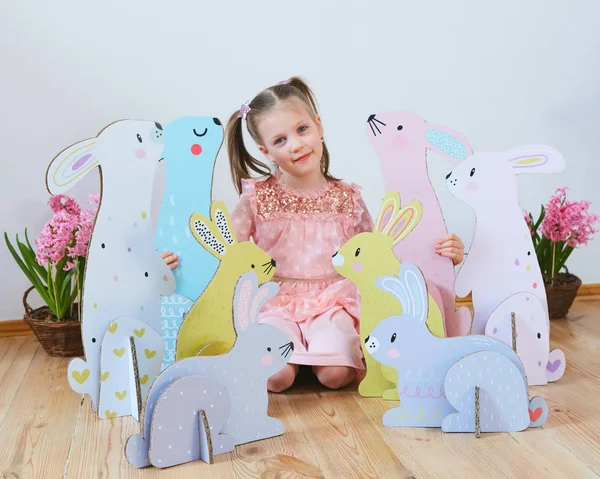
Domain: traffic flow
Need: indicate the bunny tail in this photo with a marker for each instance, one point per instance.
(136, 451)
(538, 411)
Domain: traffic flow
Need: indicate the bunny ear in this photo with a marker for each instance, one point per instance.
(415, 281)
(535, 159)
(409, 289)
(207, 235)
(219, 215)
(71, 165)
(389, 206)
(448, 143)
(264, 294)
(405, 221)
(245, 291)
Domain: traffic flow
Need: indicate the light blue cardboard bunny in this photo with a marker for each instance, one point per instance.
(191, 147)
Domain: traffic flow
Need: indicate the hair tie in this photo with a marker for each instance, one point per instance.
(244, 111)
(284, 82)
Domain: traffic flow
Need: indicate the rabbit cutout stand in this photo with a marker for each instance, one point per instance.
(206, 327)
(362, 260)
(191, 148)
(438, 377)
(124, 276)
(401, 140)
(231, 389)
(501, 269)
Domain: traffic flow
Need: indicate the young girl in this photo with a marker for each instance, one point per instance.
(301, 215)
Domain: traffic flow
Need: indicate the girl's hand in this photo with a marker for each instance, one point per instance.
(451, 247)
(170, 259)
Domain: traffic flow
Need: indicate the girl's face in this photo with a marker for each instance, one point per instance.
(291, 138)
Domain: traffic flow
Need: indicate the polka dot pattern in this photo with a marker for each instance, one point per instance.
(447, 143)
(221, 221)
(209, 239)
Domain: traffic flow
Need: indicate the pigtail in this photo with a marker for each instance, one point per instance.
(240, 160)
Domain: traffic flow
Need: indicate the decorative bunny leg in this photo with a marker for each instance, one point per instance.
(374, 383)
(172, 311)
(130, 361)
(83, 379)
(504, 405)
(413, 412)
(555, 368)
(177, 434)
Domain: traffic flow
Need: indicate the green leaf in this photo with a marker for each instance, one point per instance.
(35, 281)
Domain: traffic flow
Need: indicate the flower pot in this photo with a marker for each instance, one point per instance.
(561, 294)
(58, 338)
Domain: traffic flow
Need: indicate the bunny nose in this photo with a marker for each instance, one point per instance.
(337, 259)
(156, 134)
(371, 344)
(273, 263)
(371, 117)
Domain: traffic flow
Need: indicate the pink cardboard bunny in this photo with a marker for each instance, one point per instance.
(401, 140)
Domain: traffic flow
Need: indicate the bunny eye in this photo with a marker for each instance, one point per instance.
(252, 266)
(400, 127)
(200, 134)
(539, 335)
(269, 349)
(93, 340)
(472, 172)
(357, 252)
(393, 338)
(146, 274)
(139, 138)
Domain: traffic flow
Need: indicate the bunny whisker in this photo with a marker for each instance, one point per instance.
(374, 126)
(287, 348)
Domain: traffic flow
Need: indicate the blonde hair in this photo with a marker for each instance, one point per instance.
(241, 162)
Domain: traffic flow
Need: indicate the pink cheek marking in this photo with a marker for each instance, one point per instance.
(196, 149)
(266, 360)
(357, 266)
(472, 186)
(393, 354)
(165, 278)
(400, 141)
(140, 153)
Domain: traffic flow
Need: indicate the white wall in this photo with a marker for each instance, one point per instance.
(501, 73)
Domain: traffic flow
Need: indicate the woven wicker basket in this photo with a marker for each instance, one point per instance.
(561, 296)
(58, 338)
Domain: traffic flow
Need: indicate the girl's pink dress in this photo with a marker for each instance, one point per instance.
(302, 229)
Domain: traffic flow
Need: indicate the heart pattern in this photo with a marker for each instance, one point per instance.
(104, 376)
(144, 379)
(139, 332)
(552, 367)
(535, 415)
(112, 328)
(82, 376)
(110, 415)
(121, 395)
(119, 352)
(150, 354)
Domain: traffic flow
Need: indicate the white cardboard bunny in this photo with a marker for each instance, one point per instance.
(124, 276)
(501, 264)
(260, 351)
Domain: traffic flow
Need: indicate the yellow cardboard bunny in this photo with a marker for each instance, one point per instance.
(363, 259)
(208, 327)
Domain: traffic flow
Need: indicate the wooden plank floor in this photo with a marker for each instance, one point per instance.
(47, 431)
